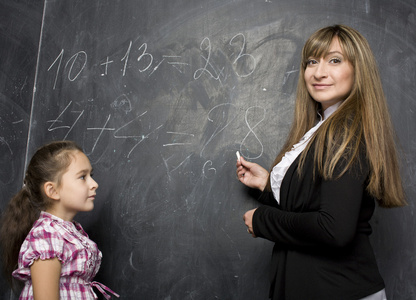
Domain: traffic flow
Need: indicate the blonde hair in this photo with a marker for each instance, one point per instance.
(361, 120)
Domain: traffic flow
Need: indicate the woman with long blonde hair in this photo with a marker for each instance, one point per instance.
(338, 160)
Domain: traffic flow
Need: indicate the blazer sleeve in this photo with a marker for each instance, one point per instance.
(333, 224)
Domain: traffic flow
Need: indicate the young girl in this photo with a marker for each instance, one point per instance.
(338, 160)
(56, 260)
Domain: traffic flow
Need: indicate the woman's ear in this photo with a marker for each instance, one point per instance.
(50, 190)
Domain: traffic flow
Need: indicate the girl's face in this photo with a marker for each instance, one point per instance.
(329, 79)
(77, 190)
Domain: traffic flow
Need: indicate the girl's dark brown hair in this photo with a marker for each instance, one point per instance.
(49, 163)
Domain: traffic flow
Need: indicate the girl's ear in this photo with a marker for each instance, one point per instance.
(50, 190)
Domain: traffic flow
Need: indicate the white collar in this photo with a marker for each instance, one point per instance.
(330, 110)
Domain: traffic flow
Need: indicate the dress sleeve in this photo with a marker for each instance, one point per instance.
(334, 223)
(43, 242)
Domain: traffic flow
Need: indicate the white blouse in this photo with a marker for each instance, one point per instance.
(279, 170)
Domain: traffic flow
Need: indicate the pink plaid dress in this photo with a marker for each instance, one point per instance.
(80, 258)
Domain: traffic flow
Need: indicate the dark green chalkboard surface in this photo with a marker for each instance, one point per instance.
(160, 95)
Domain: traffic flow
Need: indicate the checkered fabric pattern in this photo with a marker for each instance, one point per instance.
(80, 257)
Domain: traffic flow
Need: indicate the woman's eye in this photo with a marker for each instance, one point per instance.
(311, 62)
(335, 60)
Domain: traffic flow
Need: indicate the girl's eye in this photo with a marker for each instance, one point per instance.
(82, 177)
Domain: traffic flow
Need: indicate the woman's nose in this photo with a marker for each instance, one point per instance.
(321, 71)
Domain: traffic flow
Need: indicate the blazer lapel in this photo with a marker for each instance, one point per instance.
(286, 183)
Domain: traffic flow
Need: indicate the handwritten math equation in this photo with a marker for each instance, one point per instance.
(146, 62)
(70, 117)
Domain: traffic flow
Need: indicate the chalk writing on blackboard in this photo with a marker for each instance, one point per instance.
(241, 55)
(251, 130)
(244, 63)
(4, 142)
(134, 127)
(77, 61)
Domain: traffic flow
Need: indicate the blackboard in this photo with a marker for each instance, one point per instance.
(161, 94)
(20, 26)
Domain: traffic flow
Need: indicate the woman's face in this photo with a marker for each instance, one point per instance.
(329, 79)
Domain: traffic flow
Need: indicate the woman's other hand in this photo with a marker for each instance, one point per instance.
(248, 220)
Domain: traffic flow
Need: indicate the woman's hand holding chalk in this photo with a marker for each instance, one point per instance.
(238, 155)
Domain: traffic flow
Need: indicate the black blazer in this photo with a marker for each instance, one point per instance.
(320, 229)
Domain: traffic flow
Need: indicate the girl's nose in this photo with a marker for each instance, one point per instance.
(94, 184)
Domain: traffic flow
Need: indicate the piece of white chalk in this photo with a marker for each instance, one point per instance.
(238, 155)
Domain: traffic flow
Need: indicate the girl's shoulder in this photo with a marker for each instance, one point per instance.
(49, 226)
(46, 240)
